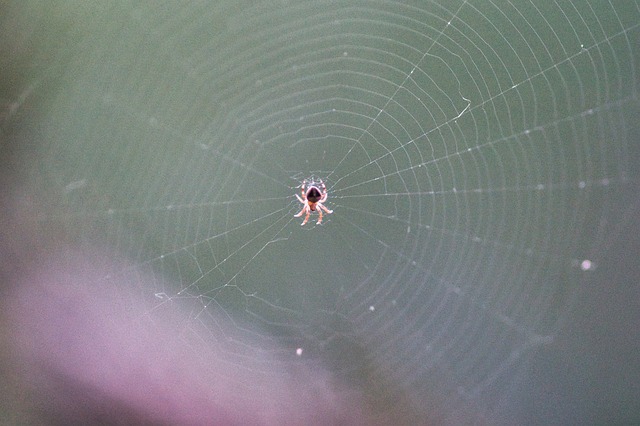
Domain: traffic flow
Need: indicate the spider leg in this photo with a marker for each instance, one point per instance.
(325, 209)
(299, 199)
(306, 218)
(304, 208)
(319, 215)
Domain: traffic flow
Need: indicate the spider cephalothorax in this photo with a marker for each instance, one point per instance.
(314, 194)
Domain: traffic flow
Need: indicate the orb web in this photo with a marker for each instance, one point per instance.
(470, 150)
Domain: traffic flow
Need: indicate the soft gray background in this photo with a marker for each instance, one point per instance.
(476, 154)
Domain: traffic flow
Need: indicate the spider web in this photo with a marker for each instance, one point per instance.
(474, 154)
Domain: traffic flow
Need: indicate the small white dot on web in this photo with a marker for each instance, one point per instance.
(299, 351)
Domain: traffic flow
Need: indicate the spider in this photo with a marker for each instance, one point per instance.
(314, 194)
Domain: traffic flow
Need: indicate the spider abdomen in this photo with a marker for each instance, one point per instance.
(314, 195)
